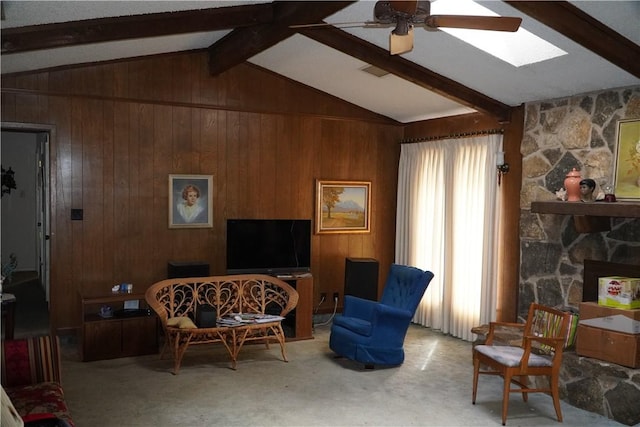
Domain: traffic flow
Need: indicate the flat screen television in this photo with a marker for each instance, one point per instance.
(268, 246)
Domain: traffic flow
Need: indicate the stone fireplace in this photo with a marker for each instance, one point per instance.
(577, 132)
(559, 135)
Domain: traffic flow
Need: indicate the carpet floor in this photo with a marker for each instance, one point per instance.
(432, 388)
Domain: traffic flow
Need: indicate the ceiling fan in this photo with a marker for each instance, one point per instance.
(407, 14)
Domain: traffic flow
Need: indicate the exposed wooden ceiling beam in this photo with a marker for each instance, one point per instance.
(577, 25)
(395, 64)
(243, 43)
(34, 37)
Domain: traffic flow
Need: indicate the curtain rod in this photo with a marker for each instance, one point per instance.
(454, 135)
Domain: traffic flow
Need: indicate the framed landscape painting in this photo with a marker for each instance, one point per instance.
(190, 201)
(627, 160)
(343, 206)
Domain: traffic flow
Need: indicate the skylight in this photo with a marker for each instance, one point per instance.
(518, 49)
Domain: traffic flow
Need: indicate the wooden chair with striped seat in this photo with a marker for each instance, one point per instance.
(540, 354)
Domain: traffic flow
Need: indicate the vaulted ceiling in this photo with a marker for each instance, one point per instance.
(441, 76)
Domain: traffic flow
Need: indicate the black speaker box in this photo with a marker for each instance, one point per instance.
(361, 278)
(206, 316)
(187, 269)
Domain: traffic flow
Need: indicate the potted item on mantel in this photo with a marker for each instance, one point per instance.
(609, 196)
(572, 185)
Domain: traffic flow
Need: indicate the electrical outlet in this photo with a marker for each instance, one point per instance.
(323, 296)
(336, 296)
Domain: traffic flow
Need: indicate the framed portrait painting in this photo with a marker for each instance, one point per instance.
(627, 160)
(343, 206)
(190, 201)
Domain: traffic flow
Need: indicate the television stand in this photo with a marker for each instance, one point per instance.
(302, 315)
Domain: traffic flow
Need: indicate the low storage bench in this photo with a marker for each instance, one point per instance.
(31, 379)
(189, 307)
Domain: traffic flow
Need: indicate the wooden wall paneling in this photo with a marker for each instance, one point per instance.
(120, 79)
(201, 84)
(140, 119)
(204, 236)
(138, 73)
(327, 150)
(183, 155)
(60, 81)
(111, 272)
(142, 196)
(61, 278)
(8, 82)
(181, 78)
(213, 89)
(309, 145)
(79, 109)
(43, 100)
(249, 167)
(301, 170)
(207, 140)
(348, 146)
(27, 81)
(164, 238)
(223, 138)
(27, 108)
(161, 79)
(206, 144)
(235, 167)
(165, 241)
(333, 247)
(282, 180)
(123, 163)
(362, 161)
(269, 195)
(112, 79)
(386, 194)
(313, 145)
(8, 101)
(92, 199)
(231, 87)
(149, 119)
(370, 170)
(93, 81)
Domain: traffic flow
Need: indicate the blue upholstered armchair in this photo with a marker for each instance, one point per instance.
(373, 332)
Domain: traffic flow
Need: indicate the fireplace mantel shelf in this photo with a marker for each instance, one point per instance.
(589, 217)
(616, 209)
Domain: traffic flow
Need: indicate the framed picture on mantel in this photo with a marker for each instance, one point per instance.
(343, 206)
(627, 160)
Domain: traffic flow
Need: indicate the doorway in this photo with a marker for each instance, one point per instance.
(24, 225)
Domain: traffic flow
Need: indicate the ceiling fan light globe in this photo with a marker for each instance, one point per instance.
(399, 44)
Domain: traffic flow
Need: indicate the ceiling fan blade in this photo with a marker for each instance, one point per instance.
(492, 23)
(366, 24)
(336, 24)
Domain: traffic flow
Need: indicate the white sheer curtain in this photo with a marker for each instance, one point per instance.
(447, 222)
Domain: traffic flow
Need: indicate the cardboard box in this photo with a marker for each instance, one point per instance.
(617, 323)
(619, 292)
(591, 310)
(610, 346)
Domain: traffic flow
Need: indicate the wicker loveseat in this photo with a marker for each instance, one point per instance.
(31, 380)
(179, 303)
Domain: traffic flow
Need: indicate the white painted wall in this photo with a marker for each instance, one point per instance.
(19, 228)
